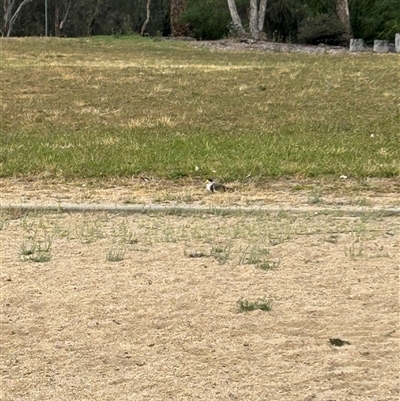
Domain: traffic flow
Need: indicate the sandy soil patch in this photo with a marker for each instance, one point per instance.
(163, 322)
(288, 193)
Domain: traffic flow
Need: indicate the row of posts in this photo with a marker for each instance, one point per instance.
(380, 46)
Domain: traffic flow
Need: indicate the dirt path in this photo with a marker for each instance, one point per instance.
(291, 193)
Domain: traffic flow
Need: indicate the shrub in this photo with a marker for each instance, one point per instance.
(323, 28)
(207, 19)
(282, 19)
(375, 19)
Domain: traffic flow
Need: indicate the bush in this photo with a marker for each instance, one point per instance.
(375, 19)
(207, 19)
(282, 19)
(323, 28)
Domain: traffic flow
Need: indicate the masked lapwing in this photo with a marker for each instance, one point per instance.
(213, 186)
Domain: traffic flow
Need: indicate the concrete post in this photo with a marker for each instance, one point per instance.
(381, 46)
(397, 42)
(357, 45)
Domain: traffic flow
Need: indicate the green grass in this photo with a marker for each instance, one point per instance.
(106, 107)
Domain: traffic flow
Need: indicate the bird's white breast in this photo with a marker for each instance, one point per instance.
(210, 186)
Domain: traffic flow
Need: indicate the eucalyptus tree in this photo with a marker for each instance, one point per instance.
(61, 11)
(236, 21)
(11, 14)
(178, 28)
(256, 17)
(343, 13)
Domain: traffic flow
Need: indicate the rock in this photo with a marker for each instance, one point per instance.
(381, 46)
(357, 45)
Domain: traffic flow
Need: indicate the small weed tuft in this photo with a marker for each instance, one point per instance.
(276, 239)
(268, 265)
(196, 254)
(90, 231)
(245, 305)
(3, 223)
(115, 254)
(221, 254)
(254, 256)
(41, 257)
(315, 197)
(332, 238)
(123, 234)
(37, 250)
(355, 249)
(363, 202)
(258, 257)
(28, 248)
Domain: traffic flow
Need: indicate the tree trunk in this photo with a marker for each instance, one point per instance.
(256, 17)
(261, 15)
(59, 21)
(237, 23)
(93, 17)
(9, 17)
(8, 6)
(253, 22)
(143, 30)
(177, 27)
(342, 10)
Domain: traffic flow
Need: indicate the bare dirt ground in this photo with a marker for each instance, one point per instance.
(290, 193)
(248, 44)
(163, 322)
(238, 45)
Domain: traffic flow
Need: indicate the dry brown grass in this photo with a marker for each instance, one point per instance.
(162, 325)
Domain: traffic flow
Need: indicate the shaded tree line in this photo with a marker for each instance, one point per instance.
(307, 21)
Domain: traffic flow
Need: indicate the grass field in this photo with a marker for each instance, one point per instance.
(295, 304)
(107, 107)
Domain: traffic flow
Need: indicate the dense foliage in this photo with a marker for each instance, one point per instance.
(323, 28)
(375, 19)
(207, 19)
(286, 20)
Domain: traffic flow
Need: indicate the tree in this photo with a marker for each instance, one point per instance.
(143, 30)
(61, 12)
(236, 21)
(256, 18)
(177, 9)
(342, 11)
(9, 16)
(92, 17)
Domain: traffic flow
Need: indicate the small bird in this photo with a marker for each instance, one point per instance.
(213, 186)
